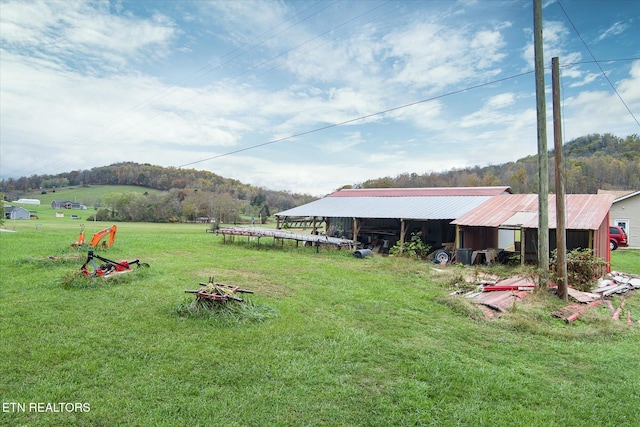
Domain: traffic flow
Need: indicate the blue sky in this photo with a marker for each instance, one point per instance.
(304, 96)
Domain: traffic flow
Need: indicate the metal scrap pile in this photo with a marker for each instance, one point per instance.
(612, 284)
(499, 295)
(617, 283)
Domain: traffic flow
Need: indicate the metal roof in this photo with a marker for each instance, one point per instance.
(583, 211)
(421, 208)
(421, 192)
(626, 196)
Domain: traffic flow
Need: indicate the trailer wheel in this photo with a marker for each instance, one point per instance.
(442, 256)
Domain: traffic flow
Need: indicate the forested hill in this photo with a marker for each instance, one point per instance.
(591, 162)
(158, 178)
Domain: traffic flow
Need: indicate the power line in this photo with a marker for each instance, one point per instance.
(334, 125)
(598, 64)
(379, 113)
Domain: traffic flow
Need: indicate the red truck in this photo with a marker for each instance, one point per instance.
(617, 237)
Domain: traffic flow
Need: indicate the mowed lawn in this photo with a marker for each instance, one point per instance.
(327, 340)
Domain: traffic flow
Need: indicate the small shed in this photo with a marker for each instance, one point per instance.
(625, 213)
(510, 222)
(16, 212)
(381, 217)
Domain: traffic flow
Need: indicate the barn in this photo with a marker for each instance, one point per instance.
(16, 212)
(66, 204)
(510, 222)
(380, 218)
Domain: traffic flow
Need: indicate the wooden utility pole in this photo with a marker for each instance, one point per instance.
(543, 161)
(561, 228)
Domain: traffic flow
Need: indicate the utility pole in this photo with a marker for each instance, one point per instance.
(543, 161)
(561, 228)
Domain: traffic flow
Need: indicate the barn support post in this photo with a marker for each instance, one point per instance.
(403, 230)
(522, 245)
(356, 230)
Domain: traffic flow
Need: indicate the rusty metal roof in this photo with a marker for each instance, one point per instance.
(583, 211)
(421, 192)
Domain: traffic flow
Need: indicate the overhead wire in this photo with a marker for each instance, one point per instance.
(260, 40)
(379, 113)
(350, 20)
(272, 59)
(597, 63)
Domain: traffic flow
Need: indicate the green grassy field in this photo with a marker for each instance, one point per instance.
(81, 194)
(326, 340)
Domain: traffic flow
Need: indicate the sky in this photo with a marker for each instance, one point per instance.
(305, 96)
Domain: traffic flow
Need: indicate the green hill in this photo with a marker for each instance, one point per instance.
(591, 162)
(141, 192)
(89, 195)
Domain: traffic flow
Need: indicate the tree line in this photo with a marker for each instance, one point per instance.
(591, 163)
(178, 184)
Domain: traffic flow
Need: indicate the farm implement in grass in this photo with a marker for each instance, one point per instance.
(218, 292)
(108, 267)
(95, 240)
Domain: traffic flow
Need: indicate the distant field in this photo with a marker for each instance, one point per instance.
(79, 193)
(326, 340)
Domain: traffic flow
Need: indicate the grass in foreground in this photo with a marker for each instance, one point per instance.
(341, 341)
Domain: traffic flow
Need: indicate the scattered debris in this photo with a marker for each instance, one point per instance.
(573, 311)
(584, 297)
(617, 283)
(516, 283)
(616, 314)
(501, 300)
(610, 285)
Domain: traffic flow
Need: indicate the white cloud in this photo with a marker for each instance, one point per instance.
(85, 84)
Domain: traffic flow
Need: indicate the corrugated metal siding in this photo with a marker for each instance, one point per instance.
(584, 211)
(421, 192)
(423, 208)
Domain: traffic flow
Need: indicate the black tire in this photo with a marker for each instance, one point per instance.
(613, 245)
(442, 256)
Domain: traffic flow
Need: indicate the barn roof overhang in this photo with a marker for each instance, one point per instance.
(438, 203)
